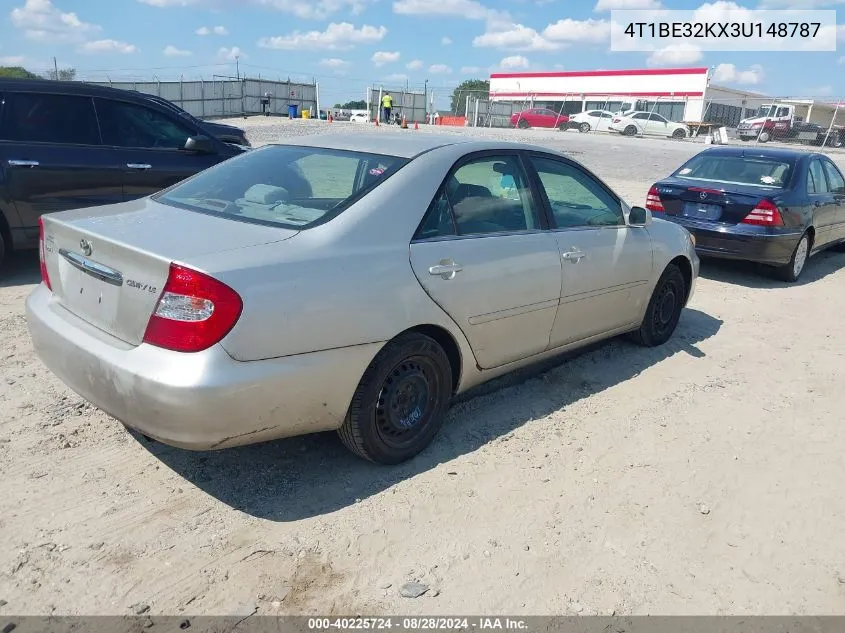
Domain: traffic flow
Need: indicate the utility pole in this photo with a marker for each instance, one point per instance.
(237, 67)
(425, 99)
(56, 69)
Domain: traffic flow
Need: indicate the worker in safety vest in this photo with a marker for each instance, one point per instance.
(387, 106)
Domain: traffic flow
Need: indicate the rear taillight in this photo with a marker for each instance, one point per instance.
(765, 213)
(42, 255)
(194, 312)
(652, 201)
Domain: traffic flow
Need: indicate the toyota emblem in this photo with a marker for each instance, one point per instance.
(85, 245)
(702, 195)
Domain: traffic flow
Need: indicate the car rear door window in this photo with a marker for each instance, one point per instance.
(816, 181)
(642, 115)
(576, 199)
(491, 195)
(34, 117)
(125, 124)
(834, 177)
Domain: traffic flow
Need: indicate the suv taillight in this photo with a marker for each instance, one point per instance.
(765, 213)
(653, 202)
(194, 312)
(42, 255)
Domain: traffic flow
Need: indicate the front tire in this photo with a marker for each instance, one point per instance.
(679, 133)
(664, 309)
(522, 125)
(798, 262)
(401, 401)
(584, 127)
(765, 137)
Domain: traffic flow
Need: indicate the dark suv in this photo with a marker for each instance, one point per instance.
(65, 145)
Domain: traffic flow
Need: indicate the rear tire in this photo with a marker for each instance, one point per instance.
(401, 401)
(584, 127)
(631, 130)
(798, 262)
(563, 127)
(522, 125)
(664, 309)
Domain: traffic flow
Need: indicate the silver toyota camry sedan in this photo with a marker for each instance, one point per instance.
(345, 282)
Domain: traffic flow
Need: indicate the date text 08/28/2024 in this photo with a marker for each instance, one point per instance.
(418, 623)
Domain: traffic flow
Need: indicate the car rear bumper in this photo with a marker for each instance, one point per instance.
(744, 242)
(201, 401)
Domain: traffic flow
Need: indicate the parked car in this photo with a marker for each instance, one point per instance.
(296, 308)
(649, 124)
(359, 117)
(540, 117)
(772, 206)
(65, 145)
(222, 131)
(598, 120)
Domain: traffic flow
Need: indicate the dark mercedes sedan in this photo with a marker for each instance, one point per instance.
(771, 206)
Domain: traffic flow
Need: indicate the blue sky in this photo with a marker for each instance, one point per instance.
(349, 44)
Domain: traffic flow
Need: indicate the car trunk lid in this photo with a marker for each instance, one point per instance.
(710, 202)
(109, 265)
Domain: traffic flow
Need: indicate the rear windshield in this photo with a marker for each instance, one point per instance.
(289, 186)
(738, 170)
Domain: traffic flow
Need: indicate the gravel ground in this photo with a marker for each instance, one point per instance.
(702, 477)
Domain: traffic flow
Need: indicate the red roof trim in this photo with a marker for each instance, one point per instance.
(595, 94)
(605, 73)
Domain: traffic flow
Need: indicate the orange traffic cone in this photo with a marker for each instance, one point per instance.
(404, 123)
(416, 127)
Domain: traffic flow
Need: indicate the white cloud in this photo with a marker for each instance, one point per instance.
(470, 70)
(445, 41)
(587, 31)
(337, 36)
(415, 64)
(172, 51)
(334, 62)
(107, 46)
(469, 9)
(17, 60)
(318, 10)
(170, 3)
(610, 5)
(514, 61)
(42, 21)
(225, 54)
(674, 55)
(217, 30)
(380, 58)
(515, 37)
(798, 4)
(728, 73)
(439, 69)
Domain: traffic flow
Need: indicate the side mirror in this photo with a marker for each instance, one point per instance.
(200, 144)
(639, 217)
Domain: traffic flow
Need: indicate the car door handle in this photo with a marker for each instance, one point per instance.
(574, 255)
(138, 166)
(446, 269)
(23, 163)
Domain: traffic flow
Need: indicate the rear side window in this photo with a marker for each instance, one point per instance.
(33, 117)
(837, 182)
(129, 125)
(816, 181)
(283, 185)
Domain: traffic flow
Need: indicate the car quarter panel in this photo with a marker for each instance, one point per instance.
(670, 241)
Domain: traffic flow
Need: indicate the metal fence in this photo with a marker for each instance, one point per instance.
(221, 97)
(411, 104)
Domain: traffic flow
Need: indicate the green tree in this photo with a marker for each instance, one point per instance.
(65, 74)
(16, 72)
(351, 105)
(477, 88)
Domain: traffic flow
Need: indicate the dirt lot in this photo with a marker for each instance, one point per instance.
(704, 477)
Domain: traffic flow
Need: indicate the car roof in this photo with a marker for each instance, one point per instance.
(760, 152)
(67, 87)
(402, 145)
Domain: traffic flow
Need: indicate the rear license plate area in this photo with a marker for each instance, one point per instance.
(694, 210)
(88, 297)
